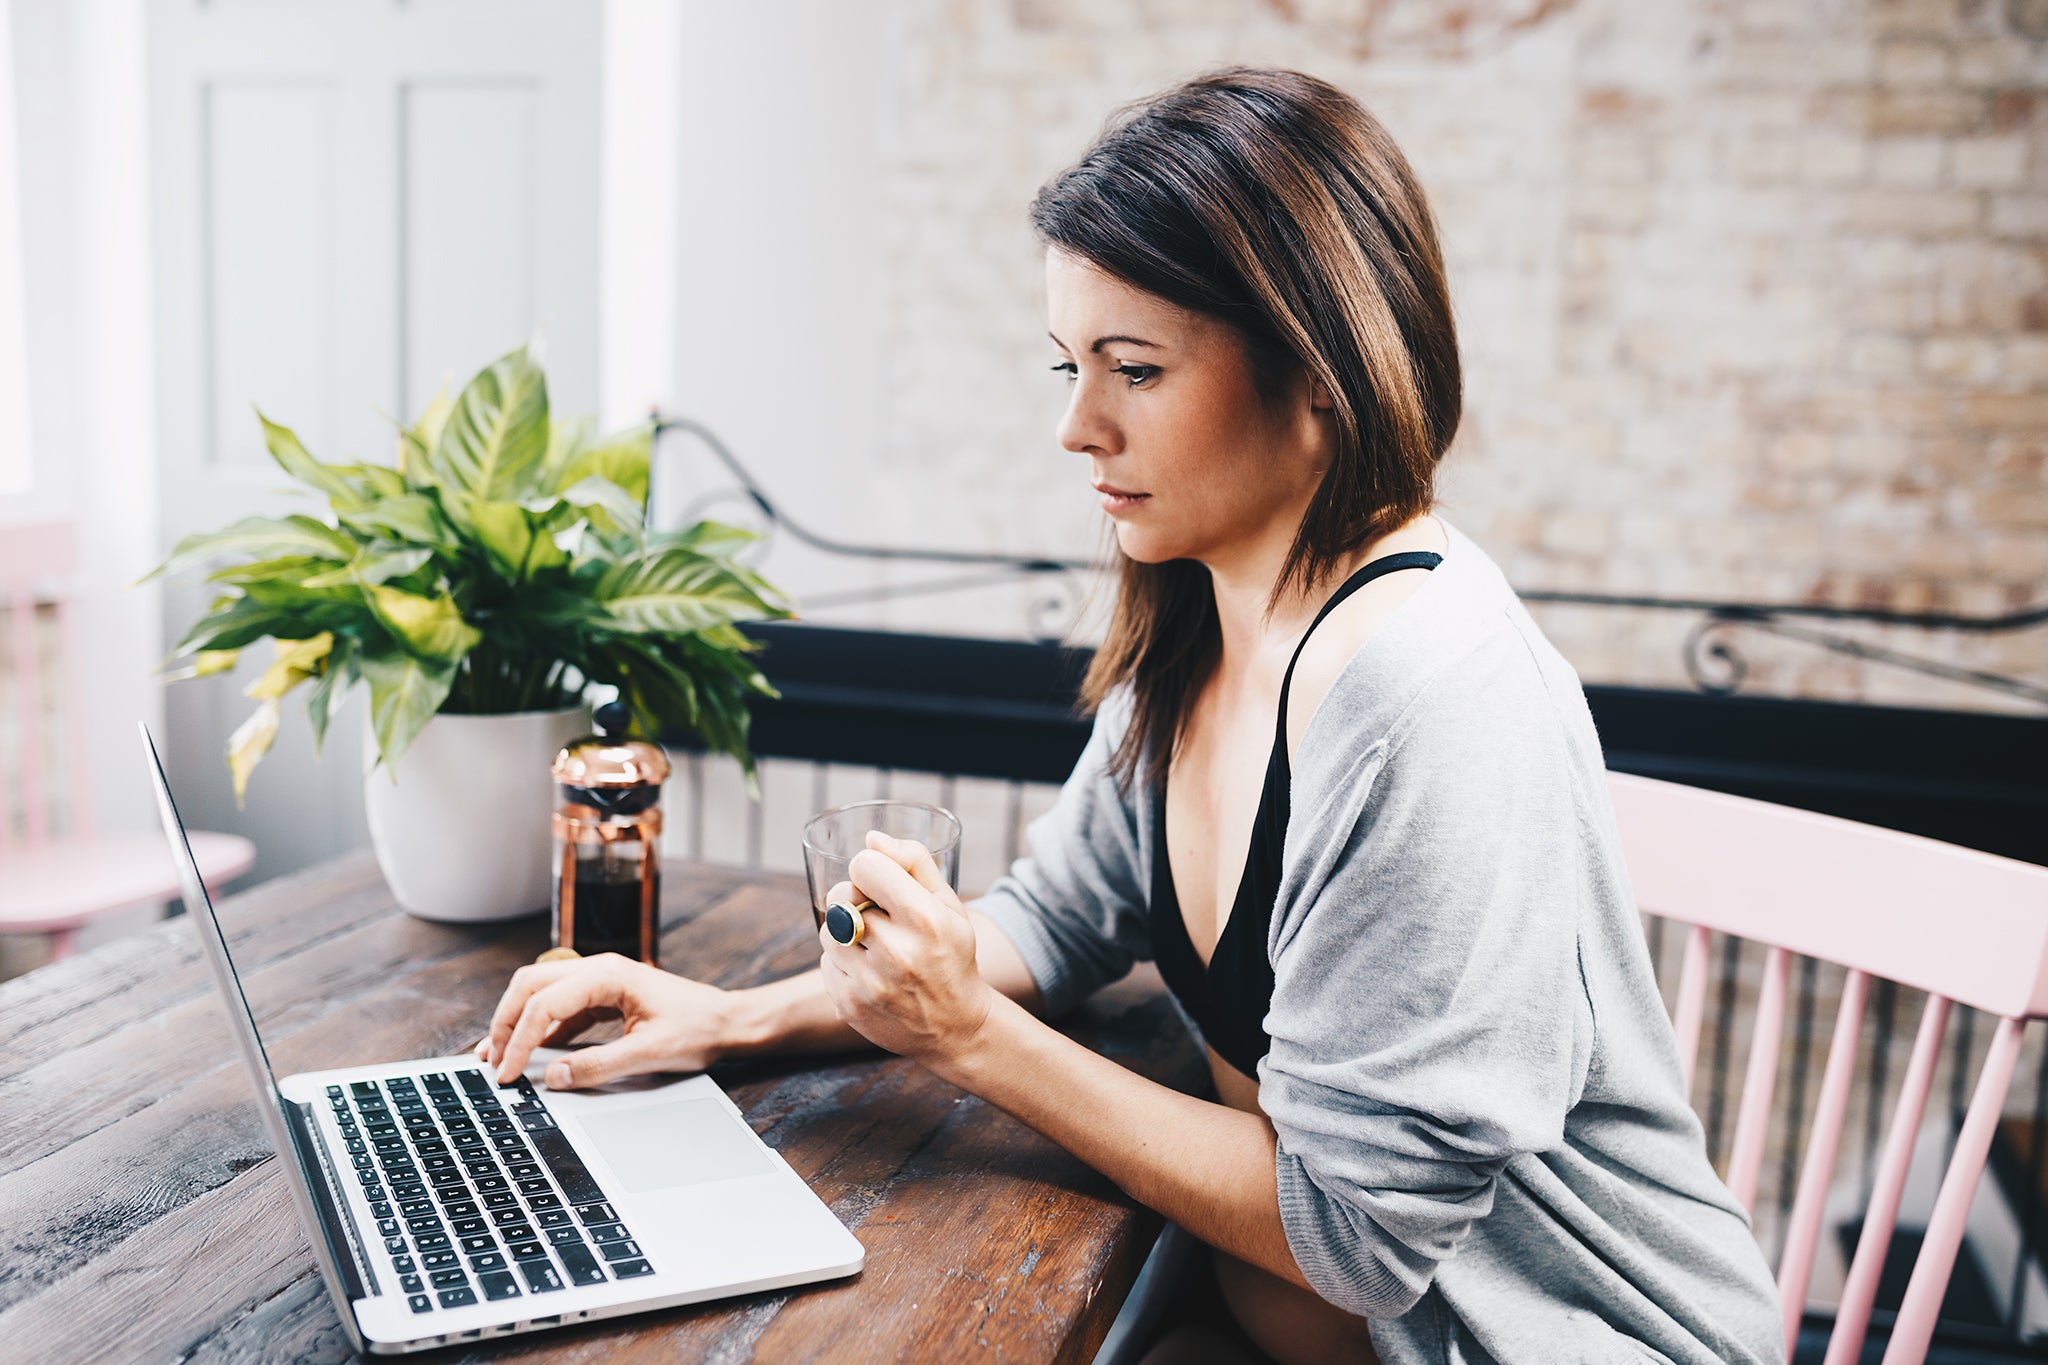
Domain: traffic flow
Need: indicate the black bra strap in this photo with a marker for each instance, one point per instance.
(1385, 564)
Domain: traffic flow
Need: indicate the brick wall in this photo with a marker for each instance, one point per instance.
(1754, 298)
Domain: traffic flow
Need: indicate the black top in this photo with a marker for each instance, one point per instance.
(1229, 998)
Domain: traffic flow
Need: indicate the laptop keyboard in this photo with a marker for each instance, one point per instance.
(473, 1198)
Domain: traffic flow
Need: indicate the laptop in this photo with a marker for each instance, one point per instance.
(443, 1207)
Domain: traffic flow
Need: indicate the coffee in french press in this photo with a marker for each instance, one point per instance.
(607, 839)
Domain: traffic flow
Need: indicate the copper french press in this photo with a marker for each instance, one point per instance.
(607, 838)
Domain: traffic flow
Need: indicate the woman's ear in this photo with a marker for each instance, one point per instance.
(1319, 397)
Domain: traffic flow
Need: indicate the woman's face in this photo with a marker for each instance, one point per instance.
(1192, 462)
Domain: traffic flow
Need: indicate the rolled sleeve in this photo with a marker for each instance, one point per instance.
(1074, 905)
(1429, 1022)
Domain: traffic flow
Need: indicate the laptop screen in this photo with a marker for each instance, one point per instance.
(242, 1023)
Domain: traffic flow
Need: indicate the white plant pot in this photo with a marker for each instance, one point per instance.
(462, 833)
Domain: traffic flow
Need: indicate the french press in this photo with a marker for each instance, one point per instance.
(607, 836)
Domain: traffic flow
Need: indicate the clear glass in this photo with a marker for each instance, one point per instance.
(834, 836)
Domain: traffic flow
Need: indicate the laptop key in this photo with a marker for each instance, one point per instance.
(597, 1213)
(626, 1270)
(425, 1222)
(486, 1183)
(387, 1227)
(460, 1208)
(581, 1265)
(563, 1236)
(505, 1218)
(528, 1251)
(544, 1201)
(395, 1245)
(407, 1189)
(433, 1241)
(419, 1303)
(373, 1192)
(411, 1284)
(333, 1092)
(458, 1298)
(518, 1232)
(503, 1199)
(534, 1186)
(608, 1232)
(360, 1160)
(436, 1080)
(499, 1284)
(569, 1170)
(364, 1088)
(469, 1227)
(430, 1148)
(552, 1218)
(445, 1177)
(403, 1265)
(489, 1260)
(436, 1260)
(525, 1170)
(620, 1251)
(540, 1276)
(479, 1241)
(444, 1278)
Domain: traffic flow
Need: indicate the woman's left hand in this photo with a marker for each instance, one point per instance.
(911, 984)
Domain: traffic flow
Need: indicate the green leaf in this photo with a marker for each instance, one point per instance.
(405, 692)
(410, 516)
(204, 665)
(258, 537)
(430, 627)
(235, 622)
(337, 675)
(680, 591)
(706, 538)
(497, 436)
(247, 745)
(374, 566)
(292, 457)
(610, 507)
(416, 443)
(372, 481)
(622, 458)
(297, 660)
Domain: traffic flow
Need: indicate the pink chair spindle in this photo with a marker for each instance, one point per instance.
(1802, 1234)
(77, 759)
(1692, 1001)
(1746, 1157)
(28, 694)
(1852, 1318)
(1922, 1304)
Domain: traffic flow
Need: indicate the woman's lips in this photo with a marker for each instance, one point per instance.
(1116, 500)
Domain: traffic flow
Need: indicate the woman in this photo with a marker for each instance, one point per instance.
(1339, 787)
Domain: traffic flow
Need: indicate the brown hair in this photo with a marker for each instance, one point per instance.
(1274, 202)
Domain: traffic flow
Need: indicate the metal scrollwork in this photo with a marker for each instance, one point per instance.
(1713, 660)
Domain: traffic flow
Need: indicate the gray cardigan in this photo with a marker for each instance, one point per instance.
(1484, 1146)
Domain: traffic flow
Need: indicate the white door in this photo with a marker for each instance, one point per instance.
(352, 201)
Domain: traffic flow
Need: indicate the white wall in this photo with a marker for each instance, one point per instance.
(79, 91)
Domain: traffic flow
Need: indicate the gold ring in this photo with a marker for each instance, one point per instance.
(846, 923)
(558, 955)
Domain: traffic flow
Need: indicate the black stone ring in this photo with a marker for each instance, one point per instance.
(847, 925)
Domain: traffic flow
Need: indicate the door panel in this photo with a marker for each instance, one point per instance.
(351, 202)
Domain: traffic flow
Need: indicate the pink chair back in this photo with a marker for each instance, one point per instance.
(1963, 926)
(37, 563)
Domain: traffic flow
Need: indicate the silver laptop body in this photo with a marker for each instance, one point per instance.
(442, 1207)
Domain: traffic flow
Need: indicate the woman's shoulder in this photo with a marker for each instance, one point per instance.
(1459, 659)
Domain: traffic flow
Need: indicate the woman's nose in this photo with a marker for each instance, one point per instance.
(1084, 427)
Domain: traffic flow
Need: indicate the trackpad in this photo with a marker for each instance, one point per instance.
(682, 1142)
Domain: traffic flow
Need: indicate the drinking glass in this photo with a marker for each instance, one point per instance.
(832, 837)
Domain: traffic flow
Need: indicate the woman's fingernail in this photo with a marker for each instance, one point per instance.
(558, 1076)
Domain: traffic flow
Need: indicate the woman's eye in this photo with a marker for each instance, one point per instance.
(1137, 374)
(1067, 368)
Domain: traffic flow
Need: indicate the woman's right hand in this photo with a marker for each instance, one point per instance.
(671, 1022)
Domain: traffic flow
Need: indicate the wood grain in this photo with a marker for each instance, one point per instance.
(143, 1213)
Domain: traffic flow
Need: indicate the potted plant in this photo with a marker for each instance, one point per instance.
(480, 589)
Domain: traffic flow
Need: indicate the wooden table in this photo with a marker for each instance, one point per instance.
(143, 1215)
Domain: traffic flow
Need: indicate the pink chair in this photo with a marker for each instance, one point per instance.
(54, 883)
(1965, 927)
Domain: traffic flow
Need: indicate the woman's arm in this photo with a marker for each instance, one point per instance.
(1206, 1166)
(675, 1024)
(910, 986)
